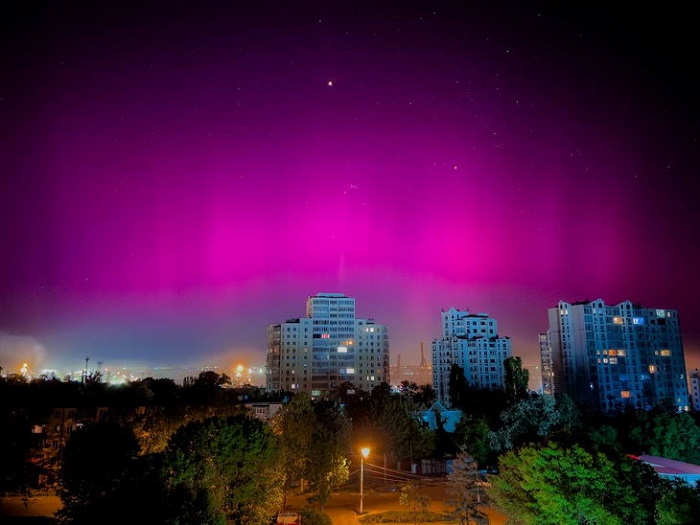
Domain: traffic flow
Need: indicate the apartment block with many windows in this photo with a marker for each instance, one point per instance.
(328, 347)
(470, 341)
(611, 357)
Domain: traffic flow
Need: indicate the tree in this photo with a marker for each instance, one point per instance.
(528, 421)
(457, 387)
(294, 425)
(314, 439)
(473, 435)
(222, 471)
(517, 380)
(399, 431)
(555, 486)
(411, 496)
(668, 434)
(207, 388)
(678, 505)
(99, 467)
(463, 488)
(329, 461)
(425, 396)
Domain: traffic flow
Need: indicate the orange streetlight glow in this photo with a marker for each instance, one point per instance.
(365, 453)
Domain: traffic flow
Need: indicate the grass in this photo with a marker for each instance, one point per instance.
(402, 516)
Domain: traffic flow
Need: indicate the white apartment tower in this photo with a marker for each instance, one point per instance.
(472, 342)
(611, 357)
(328, 347)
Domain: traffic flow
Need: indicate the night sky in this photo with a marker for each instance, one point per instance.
(177, 176)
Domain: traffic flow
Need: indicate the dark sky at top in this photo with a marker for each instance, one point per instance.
(177, 176)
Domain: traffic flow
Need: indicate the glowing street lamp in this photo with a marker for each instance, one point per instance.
(365, 452)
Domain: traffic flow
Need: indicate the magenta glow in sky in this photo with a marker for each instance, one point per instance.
(176, 180)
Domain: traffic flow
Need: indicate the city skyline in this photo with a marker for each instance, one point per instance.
(178, 180)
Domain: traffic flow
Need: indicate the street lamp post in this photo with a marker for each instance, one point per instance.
(364, 453)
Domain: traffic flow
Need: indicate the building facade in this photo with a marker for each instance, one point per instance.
(695, 390)
(328, 347)
(472, 342)
(615, 356)
(547, 365)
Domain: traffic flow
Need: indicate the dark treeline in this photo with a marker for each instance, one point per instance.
(195, 453)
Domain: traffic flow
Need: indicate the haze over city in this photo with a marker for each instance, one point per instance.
(177, 177)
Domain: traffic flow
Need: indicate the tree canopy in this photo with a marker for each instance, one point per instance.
(557, 486)
(222, 471)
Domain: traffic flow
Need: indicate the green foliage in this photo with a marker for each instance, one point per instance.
(222, 471)
(315, 517)
(604, 438)
(679, 504)
(473, 434)
(294, 425)
(668, 434)
(329, 463)
(404, 436)
(314, 439)
(528, 421)
(517, 379)
(555, 486)
(387, 423)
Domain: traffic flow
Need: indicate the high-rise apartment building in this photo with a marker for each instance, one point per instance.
(547, 366)
(612, 357)
(695, 390)
(472, 342)
(327, 348)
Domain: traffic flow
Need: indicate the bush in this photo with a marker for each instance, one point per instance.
(315, 517)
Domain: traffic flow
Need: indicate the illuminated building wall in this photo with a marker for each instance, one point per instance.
(547, 365)
(472, 342)
(328, 347)
(695, 390)
(611, 357)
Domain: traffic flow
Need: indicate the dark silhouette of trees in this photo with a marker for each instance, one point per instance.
(99, 466)
(458, 388)
(222, 471)
(516, 381)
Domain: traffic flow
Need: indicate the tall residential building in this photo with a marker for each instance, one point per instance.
(472, 342)
(695, 390)
(547, 366)
(612, 357)
(328, 347)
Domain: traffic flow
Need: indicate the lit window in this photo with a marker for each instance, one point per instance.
(665, 352)
(638, 320)
(617, 320)
(342, 349)
(625, 394)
